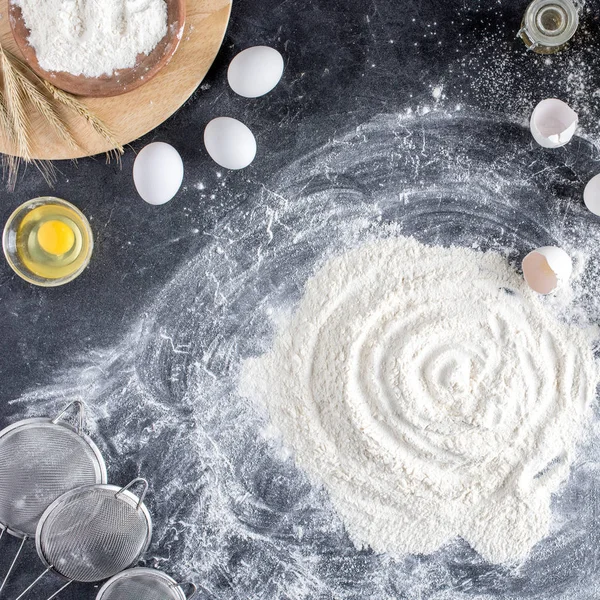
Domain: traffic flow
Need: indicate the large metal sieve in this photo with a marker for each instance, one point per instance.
(40, 460)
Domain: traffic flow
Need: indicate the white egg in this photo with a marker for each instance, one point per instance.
(546, 269)
(591, 195)
(255, 71)
(553, 123)
(158, 173)
(230, 143)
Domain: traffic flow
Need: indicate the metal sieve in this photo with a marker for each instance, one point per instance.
(148, 584)
(93, 533)
(41, 459)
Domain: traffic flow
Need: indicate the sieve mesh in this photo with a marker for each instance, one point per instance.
(92, 534)
(144, 585)
(38, 463)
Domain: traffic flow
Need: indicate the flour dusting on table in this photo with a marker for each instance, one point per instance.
(231, 509)
(93, 37)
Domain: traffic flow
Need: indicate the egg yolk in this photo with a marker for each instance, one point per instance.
(55, 237)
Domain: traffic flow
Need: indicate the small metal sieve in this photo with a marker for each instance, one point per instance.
(41, 459)
(148, 584)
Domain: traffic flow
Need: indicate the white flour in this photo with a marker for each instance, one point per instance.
(93, 37)
(432, 393)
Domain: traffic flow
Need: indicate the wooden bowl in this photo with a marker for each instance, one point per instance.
(146, 67)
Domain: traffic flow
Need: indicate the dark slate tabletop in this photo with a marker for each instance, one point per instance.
(406, 115)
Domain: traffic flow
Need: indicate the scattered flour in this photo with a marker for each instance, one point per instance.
(437, 92)
(432, 393)
(93, 37)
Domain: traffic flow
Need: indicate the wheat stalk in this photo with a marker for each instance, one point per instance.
(14, 98)
(82, 110)
(21, 87)
(79, 107)
(39, 100)
(5, 122)
(46, 109)
(15, 107)
(10, 163)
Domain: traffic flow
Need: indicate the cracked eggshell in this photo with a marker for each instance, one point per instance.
(546, 269)
(591, 195)
(553, 123)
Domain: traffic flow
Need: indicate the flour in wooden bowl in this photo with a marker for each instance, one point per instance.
(93, 37)
(433, 395)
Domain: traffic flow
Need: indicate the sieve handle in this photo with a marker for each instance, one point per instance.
(64, 587)
(80, 406)
(193, 590)
(141, 481)
(33, 584)
(13, 563)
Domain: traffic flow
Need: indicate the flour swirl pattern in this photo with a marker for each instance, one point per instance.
(432, 393)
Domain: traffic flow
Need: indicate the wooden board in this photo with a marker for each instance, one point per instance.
(133, 114)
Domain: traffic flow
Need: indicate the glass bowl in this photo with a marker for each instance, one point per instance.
(26, 255)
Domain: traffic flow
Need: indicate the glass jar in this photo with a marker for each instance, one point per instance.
(548, 25)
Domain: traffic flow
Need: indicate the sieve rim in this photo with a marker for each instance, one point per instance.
(128, 573)
(123, 495)
(47, 422)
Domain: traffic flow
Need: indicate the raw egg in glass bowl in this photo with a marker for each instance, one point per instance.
(47, 241)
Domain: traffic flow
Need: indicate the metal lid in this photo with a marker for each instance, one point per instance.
(549, 23)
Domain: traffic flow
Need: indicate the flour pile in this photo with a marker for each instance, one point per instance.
(93, 37)
(433, 395)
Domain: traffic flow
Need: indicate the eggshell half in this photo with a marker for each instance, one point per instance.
(547, 268)
(591, 195)
(553, 123)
